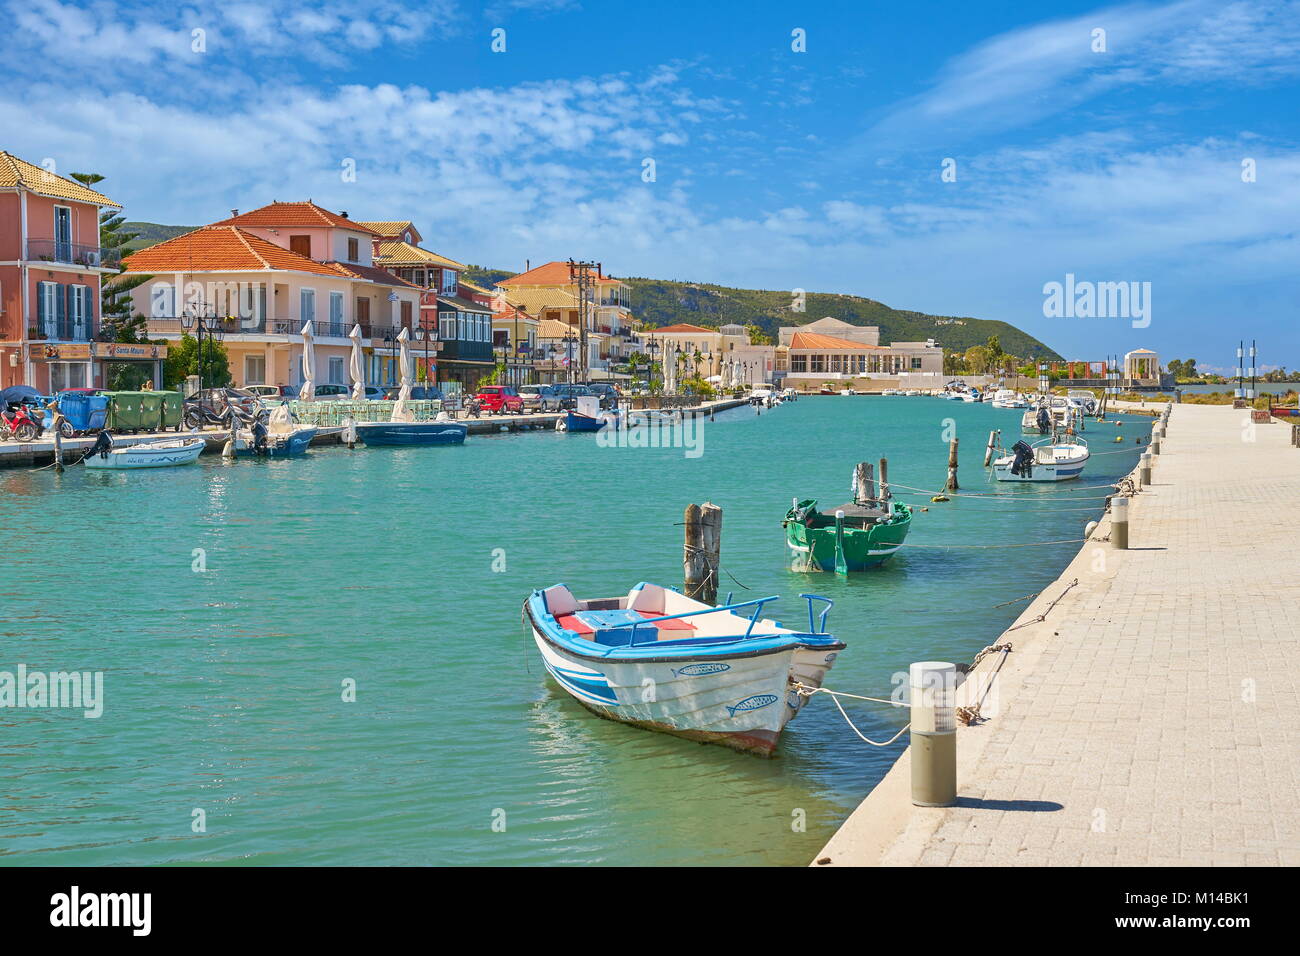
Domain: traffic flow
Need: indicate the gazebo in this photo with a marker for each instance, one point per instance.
(1142, 367)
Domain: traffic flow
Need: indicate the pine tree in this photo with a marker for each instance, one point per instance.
(116, 322)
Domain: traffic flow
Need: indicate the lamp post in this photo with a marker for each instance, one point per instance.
(569, 340)
(653, 348)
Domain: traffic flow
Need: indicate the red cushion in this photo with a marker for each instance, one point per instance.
(570, 622)
(676, 624)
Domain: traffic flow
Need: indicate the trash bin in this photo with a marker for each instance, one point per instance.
(173, 406)
(125, 412)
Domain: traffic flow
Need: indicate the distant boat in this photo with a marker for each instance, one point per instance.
(278, 436)
(1048, 460)
(436, 432)
(1284, 411)
(719, 674)
(145, 454)
(587, 417)
(851, 537)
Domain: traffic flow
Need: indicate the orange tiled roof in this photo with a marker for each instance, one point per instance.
(17, 172)
(289, 214)
(223, 249)
(681, 328)
(372, 274)
(811, 340)
(552, 273)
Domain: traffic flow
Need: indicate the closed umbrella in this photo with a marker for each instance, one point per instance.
(308, 391)
(400, 412)
(354, 365)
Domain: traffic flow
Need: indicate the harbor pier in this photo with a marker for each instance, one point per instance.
(1150, 714)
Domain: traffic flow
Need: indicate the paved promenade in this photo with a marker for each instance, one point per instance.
(1154, 717)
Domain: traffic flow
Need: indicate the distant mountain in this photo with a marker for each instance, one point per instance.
(658, 302)
(152, 233)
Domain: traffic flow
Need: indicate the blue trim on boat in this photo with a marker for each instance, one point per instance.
(412, 433)
(574, 422)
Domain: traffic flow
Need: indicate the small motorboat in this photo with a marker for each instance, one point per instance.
(1284, 411)
(144, 454)
(1009, 398)
(279, 435)
(440, 431)
(1047, 460)
(587, 417)
(719, 675)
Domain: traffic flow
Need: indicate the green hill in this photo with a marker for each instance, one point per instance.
(152, 233)
(657, 302)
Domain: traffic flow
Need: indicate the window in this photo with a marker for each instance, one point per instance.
(307, 305)
(63, 233)
(336, 313)
(254, 369)
(916, 361)
(48, 306)
(446, 325)
(354, 250)
(448, 281)
(300, 245)
(336, 369)
(80, 315)
(67, 375)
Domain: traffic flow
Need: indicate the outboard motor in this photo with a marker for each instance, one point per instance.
(259, 438)
(1044, 420)
(1023, 465)
(103, 445)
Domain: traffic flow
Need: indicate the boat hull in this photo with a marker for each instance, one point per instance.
(412, 433)
(147, 456)
(279, 446)
(1057, 471)
(742, 702)
(856, 549)
(573, 422)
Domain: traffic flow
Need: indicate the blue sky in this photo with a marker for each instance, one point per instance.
(778, 169)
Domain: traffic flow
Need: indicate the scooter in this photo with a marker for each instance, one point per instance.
(16, 422)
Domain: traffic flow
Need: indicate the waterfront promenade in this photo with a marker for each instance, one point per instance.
(1153, 718)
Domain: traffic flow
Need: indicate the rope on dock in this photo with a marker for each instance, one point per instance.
(1042, 617)
(805, 691)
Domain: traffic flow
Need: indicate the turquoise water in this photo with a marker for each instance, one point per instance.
(224, 687)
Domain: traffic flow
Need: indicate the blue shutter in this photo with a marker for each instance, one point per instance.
(61, 309)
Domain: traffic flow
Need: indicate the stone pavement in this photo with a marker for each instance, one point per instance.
(1154, 717)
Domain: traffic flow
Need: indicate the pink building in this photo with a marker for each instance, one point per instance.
(50, 271)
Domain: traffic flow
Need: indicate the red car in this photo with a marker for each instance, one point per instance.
(500, 400)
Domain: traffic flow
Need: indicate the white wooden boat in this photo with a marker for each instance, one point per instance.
(145, 454)
(1048, 460)
(659, 660)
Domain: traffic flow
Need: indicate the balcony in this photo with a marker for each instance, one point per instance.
(71, 253)
(64, 331)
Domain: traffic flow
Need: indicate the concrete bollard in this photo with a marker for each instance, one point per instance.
(1155, 444)
(1144, 470)
(933, 687)
(1119, 524)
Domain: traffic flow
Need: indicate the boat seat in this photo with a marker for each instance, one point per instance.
(560, 600)
(646, 597)
(571, 622)
(677, 624)
(854, 510)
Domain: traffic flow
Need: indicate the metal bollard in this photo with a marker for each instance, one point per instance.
(1119, 524)
(934, 733)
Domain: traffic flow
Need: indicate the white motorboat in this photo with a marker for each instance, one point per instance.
(144, 454)
(1047, 460)
(1009, 398)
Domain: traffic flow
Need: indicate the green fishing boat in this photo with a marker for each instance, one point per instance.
(861, 534)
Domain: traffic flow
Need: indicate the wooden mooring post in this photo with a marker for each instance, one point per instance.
(951, 484)
(988, 450)
(864, 483)
(884, 482)
(701, 552)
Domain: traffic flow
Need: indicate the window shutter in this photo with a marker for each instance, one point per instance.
(60, 308)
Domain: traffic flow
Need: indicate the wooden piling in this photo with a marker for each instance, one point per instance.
(884, 481)
(701, 552)
(58, 445)
(988, 451)
(864, 483)
(951, 484)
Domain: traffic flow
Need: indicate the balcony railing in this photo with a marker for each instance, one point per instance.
(64, 331)
(72, 253)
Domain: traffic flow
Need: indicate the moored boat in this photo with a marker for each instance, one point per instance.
(278, 435)
(856, 536)
(719, 675)
(440, 431)
(144, 454)
(1047, 460)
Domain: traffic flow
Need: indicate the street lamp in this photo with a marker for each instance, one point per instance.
(653, 349)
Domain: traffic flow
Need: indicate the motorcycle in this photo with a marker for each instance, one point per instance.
(473, 406)
(16, 422)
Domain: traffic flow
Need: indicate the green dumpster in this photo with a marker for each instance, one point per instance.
(173, 407)
(151, 405)
(126, 412)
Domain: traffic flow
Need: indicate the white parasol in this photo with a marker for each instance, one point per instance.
(308, 391)
(400, 412)
(358, 379)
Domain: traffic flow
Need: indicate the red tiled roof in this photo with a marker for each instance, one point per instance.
(372, 274)
(811, 340)
(552, 273)
(681, 328)
(222, 249)
(289, 214)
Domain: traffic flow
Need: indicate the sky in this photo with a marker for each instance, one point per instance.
(953, 158)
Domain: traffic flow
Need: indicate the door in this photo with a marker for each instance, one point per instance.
(63, 233)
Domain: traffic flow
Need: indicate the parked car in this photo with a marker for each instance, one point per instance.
(500, 400)
(333, 393)
(274, 393)
(539, 398)
(568, 395)
(608, 393)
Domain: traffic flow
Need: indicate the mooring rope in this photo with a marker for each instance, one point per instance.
(804, 691)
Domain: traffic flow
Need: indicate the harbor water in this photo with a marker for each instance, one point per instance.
(232, 607)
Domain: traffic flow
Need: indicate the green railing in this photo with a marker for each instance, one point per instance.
(335, 414)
